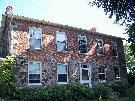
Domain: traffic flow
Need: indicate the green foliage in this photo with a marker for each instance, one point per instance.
(124, 12)
(102, 91)
(69, 92)
(119, 87)
(7, 85)
(131, 78)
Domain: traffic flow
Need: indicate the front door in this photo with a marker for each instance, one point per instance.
(85, 75)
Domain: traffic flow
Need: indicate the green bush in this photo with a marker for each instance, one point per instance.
(7, 84)
(69, 92)
(102, 91)
(119, 87)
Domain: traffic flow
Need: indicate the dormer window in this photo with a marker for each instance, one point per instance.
(82, 40)
(61, 41)
(114, 49)
(100, 50)
(35, 35)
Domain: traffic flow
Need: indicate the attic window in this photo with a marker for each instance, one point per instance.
(35, 35)
(82, 40)
(114, 49)
(100, 50)
(61, 40)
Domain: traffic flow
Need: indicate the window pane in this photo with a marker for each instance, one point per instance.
(83, 48)
(101, 77)
(61, 68)
(100, 51)
(99, 43)
(61, 46)
(35, 33)
(34, 81)
(34, 76)
(34, 43)
(85, 75)
(34, 67)
(61, 37)
(114, 52)
(116, 72)
(101, 70)
(62, 77)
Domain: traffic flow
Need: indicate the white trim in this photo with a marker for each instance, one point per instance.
(89, 74)
(30, 37)
(102, 73)
(58, 41)
(35, 73)
(63, 73)
(81, 38)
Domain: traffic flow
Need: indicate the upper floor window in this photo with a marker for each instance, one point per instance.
(34, 73)
(82, 44)
(114, 49)
(102, 73)
(116, 72)
(61, 40)
(35, 35)
(100, 49)
(62, 73)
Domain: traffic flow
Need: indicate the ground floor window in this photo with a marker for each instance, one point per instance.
(116, 72)
(34, 73)
(62, 73)
(102, 73)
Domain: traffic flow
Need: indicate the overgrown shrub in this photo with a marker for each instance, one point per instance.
(119, 87)
(69, 92)
(102, 91)
(131, 78)
(7, 84)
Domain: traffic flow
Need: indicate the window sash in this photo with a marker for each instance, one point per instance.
(82, 44)
(34, 72)
(61, 46)
(35, 39)
(62, 73)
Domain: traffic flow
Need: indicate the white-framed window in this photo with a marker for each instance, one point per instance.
(62, 73)
(34, 73)
(35, 38)
(114, 50)
(82, 40)
(117, 72)
(61, 41)
(102, 73)
(100, 49)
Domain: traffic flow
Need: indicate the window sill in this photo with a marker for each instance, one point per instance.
(62, 83)
(103, 81)
(35, 49)
(62, 51)
(34, 84)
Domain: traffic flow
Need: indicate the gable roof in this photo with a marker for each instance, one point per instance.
(57, 25)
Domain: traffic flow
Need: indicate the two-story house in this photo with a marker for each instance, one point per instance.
(48, 53)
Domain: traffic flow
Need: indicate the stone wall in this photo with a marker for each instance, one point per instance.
(50, 57)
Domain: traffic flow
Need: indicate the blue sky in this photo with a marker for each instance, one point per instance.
(75, 13)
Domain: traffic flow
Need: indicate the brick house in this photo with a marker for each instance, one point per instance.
(48, 53)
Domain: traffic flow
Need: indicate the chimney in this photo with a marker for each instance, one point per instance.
(93, 29)
(9, 10)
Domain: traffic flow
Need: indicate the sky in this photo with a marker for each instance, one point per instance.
(76, 13)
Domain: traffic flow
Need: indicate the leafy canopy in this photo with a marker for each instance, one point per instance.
(124, 12)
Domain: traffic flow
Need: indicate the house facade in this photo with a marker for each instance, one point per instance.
(49, 54)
